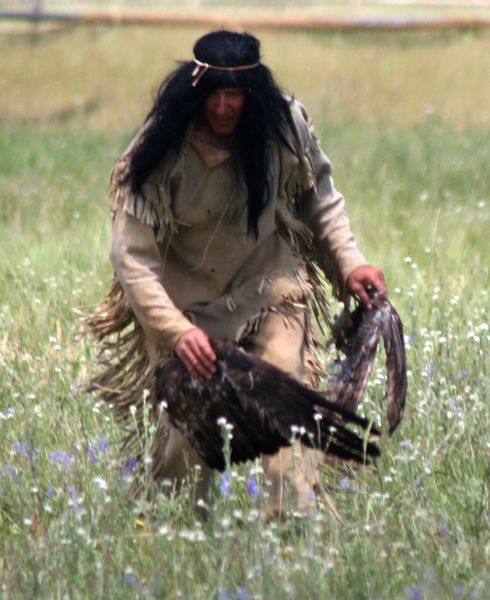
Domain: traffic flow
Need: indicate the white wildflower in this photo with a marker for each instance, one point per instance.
(101, 483)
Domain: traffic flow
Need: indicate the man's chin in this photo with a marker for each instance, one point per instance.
(223, 128)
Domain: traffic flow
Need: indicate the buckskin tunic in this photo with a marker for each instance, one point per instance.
(182, 258)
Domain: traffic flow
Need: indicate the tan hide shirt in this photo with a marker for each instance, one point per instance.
(183, 256)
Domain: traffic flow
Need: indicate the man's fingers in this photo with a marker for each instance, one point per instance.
(198, 369)
(197, 354)
(364, 278)
(206, 351)
(196, 366)
(379, 283)
(363, 296)
(205, 355)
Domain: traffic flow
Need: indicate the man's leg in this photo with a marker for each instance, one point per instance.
(290, 474)
(175, 459)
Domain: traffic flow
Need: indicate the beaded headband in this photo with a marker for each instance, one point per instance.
(202, 67)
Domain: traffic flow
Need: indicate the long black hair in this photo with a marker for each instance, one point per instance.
(266, 114)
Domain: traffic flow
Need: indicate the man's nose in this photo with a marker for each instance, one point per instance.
(221, 104)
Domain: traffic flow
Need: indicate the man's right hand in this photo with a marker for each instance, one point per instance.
(196, 352)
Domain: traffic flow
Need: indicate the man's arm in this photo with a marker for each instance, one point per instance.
(323, 209)
(137, 265)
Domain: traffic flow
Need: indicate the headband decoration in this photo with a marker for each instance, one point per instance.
(201, 68)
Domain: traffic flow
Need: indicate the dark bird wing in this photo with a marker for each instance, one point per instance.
(265, 407)
(357, 335)
(396, 364)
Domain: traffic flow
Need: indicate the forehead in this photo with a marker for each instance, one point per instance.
(228, 90)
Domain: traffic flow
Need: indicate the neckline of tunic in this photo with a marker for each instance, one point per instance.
(212, 157)
(210, 153)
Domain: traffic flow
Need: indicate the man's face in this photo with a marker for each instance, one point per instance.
(223, 109)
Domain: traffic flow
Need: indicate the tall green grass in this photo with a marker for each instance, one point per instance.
(417, 186)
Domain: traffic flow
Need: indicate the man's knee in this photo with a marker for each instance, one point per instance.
(280, 341)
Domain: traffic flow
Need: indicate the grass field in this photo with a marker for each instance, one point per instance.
(405, 120)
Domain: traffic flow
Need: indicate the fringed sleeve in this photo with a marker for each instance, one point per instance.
(137, 265)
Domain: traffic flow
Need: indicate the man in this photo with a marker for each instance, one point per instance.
(224, 208)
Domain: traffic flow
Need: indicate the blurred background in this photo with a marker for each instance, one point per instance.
(400, 96)
(401, 11)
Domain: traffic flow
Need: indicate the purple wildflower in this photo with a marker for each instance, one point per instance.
(414, 593)
(129, 468)
(243, 593)
(92, 455)
(100, 447)
(9, 470)
(61, 457)
(21, 448)
(131, 580)
(225, 485)
(253, 487)
(49, 492)
(102, 444)
(430, 369)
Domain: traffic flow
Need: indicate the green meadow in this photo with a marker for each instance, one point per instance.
(405, 119)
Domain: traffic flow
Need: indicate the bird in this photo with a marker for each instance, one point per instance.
(357, 334)
(259, 408)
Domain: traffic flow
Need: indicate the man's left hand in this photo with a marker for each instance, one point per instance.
(363, 279)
